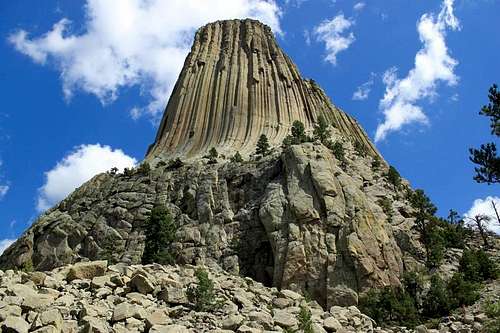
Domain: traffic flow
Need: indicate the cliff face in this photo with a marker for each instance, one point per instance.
(237, 84)
(299, 218)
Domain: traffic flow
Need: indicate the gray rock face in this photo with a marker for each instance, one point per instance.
(237, 84)
(297, 219)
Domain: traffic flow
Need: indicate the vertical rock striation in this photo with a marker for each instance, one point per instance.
(237, 84)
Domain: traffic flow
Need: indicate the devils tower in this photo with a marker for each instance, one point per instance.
(237, 84)
(302, 218)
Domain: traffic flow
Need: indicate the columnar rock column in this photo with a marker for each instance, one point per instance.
(237, 84)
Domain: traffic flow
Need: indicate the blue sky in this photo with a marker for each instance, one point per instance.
(70, 108)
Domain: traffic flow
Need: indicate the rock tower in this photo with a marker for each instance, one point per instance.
(237, 84)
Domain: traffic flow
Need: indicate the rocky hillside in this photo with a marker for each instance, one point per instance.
(91, 297)
(298, 219)
(94, 297)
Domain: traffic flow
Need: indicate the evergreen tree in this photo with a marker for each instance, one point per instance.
(461, 291)
(287, 142)
(212, 155)
(298, 132)
(394, 177)
(321, 131)
(437, 301)
(262, 146)
(488, 169)
(425, 224)
(492, 110)
(237, 158)
(338, 151)
(203, 295)
(160, 234)
(360, 148)
(376, 163)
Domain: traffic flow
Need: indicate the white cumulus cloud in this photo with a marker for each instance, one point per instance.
(363, 91)
(5, 243)
(433, 64)
(336, 36)
(77, 167)
(485, 207)
(128, 43)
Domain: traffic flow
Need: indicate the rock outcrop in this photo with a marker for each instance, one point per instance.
(237, 84)
(299, 218)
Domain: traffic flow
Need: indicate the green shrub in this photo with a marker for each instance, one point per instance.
(435, 247)
(376, 164)
(386, 206)
(175, 164)
(477, 266)
(287, 142)
(305, 320)
(160, 232)
(492, 310)
(413, 285)
(212, 155)
(298, 132)
(426, 224)
(394, 177)
(462, 292)
(237, 158)
(436, 302)
(27, 266)
(321, 131)
(390, 305)
(203, 295)
(360, 148)
(128, 172)
(338, 150)
(454, 235)
(262, 146)
(144, 168)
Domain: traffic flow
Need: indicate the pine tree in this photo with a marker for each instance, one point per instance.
(321, 131)
(298, 132)
(160, 234)
(338, 151)
(488, 169)
(262, 146)
(212, 155)
(203, 295)
(237, 158)
(394, 177)
(425, 224)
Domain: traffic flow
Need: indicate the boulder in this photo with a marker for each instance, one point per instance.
(87, 270)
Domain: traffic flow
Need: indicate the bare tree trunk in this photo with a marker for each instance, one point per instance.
(496, 211)
(481, 222)
(483, 234)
